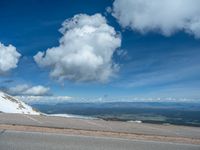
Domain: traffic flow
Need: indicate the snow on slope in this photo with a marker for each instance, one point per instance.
(8, 104)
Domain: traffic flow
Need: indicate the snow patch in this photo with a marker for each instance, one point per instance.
(73, 116)
(135, 121)
(9, 104)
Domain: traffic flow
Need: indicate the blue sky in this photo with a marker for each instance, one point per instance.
(152, 62)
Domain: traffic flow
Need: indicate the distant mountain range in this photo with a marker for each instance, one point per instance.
(9, 104)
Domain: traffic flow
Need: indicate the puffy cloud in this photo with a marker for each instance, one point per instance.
(9, 58)
(85, 51)
(164, 16)
(25, 89)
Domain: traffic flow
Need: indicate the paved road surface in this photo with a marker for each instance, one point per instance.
(100, 125)
(13, 140)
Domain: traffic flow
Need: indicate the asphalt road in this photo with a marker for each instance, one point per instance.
(13, 140)
(100, 125)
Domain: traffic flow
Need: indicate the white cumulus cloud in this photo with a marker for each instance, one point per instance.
(85, 51)
(9, 58)
(25, 89)
(164, 16)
